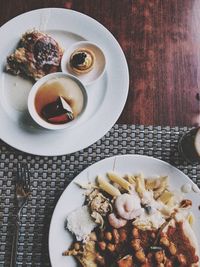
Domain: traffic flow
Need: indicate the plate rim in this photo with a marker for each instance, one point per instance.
(27, 148)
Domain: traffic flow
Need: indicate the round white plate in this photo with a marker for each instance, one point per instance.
(106, 97)
(72, 198)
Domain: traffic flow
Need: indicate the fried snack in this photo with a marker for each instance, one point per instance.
(37, 55)
(85, 254)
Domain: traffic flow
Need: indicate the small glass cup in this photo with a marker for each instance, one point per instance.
(189, 146)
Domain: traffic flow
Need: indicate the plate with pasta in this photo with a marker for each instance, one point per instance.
(127, 210)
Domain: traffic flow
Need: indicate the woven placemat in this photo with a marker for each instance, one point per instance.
(51, 175)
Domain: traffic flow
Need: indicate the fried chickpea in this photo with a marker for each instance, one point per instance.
(127, 261)
(135, 244)
(149, 256)
(159, 256)
(153, 235)
(77, 246)
(122, 234)
(102, 245)
(135, 233)
(146, 265)
(108, 236)
(100, 260)
(101, 235)
(111, 247)
(168, 263)
(172, 248)
(164, 241)
(115, 236)
(140, 256)
(181, 259)
(93, 237)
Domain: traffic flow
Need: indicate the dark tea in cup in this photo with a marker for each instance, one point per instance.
(189, 145)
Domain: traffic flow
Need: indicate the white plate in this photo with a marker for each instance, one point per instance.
(72, 197)
(106, 97)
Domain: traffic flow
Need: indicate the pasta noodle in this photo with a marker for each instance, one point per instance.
(107, 187)
(140, 184)
(119, 180)
(131, 179)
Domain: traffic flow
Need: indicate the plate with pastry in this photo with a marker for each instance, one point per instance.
(42, 43)
(136, 211)
(85, 60)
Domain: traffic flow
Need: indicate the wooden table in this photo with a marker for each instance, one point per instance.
(161, 41)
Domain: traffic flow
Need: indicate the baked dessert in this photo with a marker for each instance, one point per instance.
(37, 55)
(82, 60)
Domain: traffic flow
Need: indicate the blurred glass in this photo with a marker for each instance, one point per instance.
(189, 146)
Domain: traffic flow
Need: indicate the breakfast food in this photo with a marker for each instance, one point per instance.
(142, 224)
(37, 55)
(82, 60)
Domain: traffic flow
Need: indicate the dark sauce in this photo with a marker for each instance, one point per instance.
(78, 59)
(177, 236)
(187, 146)
(56, 113)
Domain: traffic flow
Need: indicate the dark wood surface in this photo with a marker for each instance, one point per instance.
(161, 41)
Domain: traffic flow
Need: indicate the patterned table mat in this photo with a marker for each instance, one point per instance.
(51, 175)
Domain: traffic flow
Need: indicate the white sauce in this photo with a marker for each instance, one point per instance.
(195, 188)
(186, 188)
(154, 219)
(148, 199)
(149, 222)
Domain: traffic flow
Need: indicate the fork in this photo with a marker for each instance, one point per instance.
(22, 192)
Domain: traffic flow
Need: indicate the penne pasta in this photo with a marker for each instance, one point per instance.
(115, 178)
(140, 184)
(107, 187)
(130, 179)
(166, 197)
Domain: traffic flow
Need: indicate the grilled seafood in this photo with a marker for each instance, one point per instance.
(116, 222)
(128, 206)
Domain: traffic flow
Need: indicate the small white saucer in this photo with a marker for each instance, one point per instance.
(99, 64)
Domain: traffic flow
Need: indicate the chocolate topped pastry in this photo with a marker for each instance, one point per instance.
(37, 55)
(82, 60)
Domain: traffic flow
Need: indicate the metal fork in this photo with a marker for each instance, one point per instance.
(22, 192)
